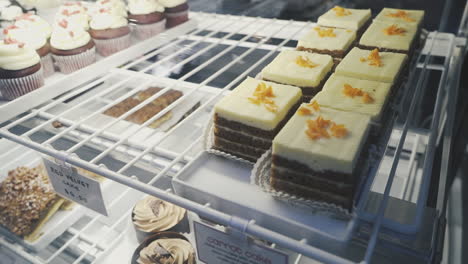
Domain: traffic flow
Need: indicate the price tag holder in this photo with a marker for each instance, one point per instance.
(216, 246)
(71, 185)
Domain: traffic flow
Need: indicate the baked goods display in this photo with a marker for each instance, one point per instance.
(247, 120)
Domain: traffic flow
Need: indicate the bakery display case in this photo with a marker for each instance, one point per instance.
(144, 121)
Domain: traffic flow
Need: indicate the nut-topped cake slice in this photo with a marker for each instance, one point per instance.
(355, 95)
(389, 36)
(372, 65)
(392, 15)
(335, 42)
(306, 70)
(247, 120)
(317, 155)
(347, 18)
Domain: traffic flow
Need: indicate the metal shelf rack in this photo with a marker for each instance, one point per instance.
(205, 64)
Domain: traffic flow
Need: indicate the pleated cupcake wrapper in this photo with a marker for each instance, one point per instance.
(69, 64)
(47, 65)
(260, 176)
(16, 87)
(149, 30)
(208, 143)
(106, 47)
(174, 19)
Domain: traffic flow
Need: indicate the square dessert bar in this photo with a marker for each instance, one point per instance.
(372, 65)
(318, 155)
(355, 95)
(247, 120)
(306, 70)
(389, 36)
(347, 18)
(335, 42)
(392, 15)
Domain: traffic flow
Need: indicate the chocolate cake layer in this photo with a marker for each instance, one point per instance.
(109, 33)
(146, 18)
(12, 74)
(175, 9)
(71, 52)
(333, 53)
(44, 50)
(241, 138)
(243, 151)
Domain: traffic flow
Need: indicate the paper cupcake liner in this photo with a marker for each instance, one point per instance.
(69, 64)
(149, 30)
(174, 19)
(208, 143)
(16, 87)
(47, 65)
(106, 47)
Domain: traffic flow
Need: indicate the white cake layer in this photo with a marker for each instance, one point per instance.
(332, 96)
(341, 41)
(331, 154)
(352, 66)
(284, 69)
(413, 17)
(354, 21)
(375, 36)
(237, 107)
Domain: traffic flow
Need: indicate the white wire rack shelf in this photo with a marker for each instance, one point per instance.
(205, 64)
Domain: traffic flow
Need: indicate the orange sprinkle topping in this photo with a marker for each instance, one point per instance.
(394, 30)
(352, 92)
(9, 41)
(322, 32)
(340, 11)
(304, 111)
(263, 94)
(104, 10)
(63, 23)
(318, 128)
(66, 12)
(305, 62)
(5, 31)
(401, 14)
(338, 131)
(373, 58)
(26, 16)
(71, 34)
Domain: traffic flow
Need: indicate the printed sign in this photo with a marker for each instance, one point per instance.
(71, 185)
(215, 246)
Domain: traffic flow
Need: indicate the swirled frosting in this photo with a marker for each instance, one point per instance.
(167, 251)
(35, 24)
(105, 20)
(11, 12)
(115, 7)
(171, 3)
(31, 39)
(74, 13)
(16, 56)
(4, 3)
(142, 7)
(153, 214)
(68, 36)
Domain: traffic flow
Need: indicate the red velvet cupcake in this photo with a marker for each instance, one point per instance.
(110, 32)
(176, 12)
(147, 16)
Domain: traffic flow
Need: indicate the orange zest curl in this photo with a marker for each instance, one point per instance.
(367, 99)
(373, 58)
(340, 11)
(352, 92)
(305, 62)
(338, 131)
(263, 94)
(401, 14)
(321, 128)
(63, 23)
(394, 30)
(322, 32)
(304, 111)
(314, 105)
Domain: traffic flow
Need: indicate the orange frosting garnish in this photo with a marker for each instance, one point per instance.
(305, 62)
(5, 31)
(262, 94)
(304, 111)
(352, 92)
(66, 12)
(26, 16)
(318, 128)
(63, 23)
(401, 14)
(340, 11)
(314, 105)
(322, 32)
(373, 58)
(366, 98)
(338, 131)
(9, 41)
(394, 30)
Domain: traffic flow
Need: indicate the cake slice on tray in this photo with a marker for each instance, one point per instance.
(347, 18)
(390, 37)
(392, 15)
(247, 120)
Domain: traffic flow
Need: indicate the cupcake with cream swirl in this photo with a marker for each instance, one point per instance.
(74, 13)
(35, 24)
(110, 32)
(147, 16)
(152, 215)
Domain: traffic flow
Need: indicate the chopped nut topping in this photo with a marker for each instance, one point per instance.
(352, 92)
(305, 62)
(304, 111)
(373, 58)
(322, 32)
(394, 30)
(401, 14)
(340, 11)
(318, 128)
(263, 94)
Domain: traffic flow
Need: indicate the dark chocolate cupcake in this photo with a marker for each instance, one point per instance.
(147, 16)
(176, 12)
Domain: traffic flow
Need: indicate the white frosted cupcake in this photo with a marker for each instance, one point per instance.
(110, 32)
(115, 7)
(20, 69)
(34, 23)
(176, 12)
(72, 47)
(74, 13)
(147, 16)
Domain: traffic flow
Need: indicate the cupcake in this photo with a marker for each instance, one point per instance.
(110, 32)
(176, 12)
(148, 17)
(20, 69)
(72, 47)
(152, 215)
(165, 247)
(115, 7)
(74, 13)
(34, 23)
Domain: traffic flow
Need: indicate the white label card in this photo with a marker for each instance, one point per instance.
(215, 246)
(71, 185)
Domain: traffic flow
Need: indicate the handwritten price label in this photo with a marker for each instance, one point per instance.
(71, 185)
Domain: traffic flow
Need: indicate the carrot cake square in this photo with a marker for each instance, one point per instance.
(392, 15)
(389, 36)
(347, 18)
(335, 42)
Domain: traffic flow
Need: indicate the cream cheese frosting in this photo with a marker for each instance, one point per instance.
(34, 23)
(31, 39)
(379, 35)
(14, 56)
(340, 39)
(73, 13)
(107, 20)
(153, 214)
(171, 3)
(115, 7)
(393, 15)
(285, 69)
(4, 3)
(156, 252)
(11, 12)
(323, 154)
(68, 36)
(237, 106)
(351, 19)
(142, 7)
